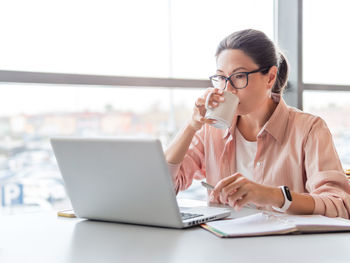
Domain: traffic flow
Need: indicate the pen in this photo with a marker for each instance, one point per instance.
(210, 187)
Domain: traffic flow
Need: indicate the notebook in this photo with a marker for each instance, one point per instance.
(124, 180)
(266, 223)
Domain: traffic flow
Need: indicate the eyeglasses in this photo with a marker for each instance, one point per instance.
(237, 80)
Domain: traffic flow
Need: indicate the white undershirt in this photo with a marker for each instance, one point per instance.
(245, 155)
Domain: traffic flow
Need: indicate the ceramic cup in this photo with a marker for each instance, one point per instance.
(224, 113)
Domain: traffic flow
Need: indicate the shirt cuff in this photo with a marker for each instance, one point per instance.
(319, 205)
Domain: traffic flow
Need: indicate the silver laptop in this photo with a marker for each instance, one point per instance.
(124, 180)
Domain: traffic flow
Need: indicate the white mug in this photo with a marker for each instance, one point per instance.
(224, 112)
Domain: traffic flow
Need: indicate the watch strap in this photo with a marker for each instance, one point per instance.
(287, 200)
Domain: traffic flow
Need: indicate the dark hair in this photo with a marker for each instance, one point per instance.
(262, 50)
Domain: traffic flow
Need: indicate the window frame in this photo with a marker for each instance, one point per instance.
(288, 29)
(289, 35)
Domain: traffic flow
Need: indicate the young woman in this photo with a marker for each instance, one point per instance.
(273, 156)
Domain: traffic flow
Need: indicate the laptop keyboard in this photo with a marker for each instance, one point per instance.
(186, 216)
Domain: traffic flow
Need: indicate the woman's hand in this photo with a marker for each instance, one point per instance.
(199, 109)
(237, 191)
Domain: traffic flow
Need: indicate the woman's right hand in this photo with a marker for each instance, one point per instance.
(199, 109)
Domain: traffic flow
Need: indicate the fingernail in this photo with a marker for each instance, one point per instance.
(215, 103)
(211, 197)
(222, 98)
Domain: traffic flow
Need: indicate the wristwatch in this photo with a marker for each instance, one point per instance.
(287, 200)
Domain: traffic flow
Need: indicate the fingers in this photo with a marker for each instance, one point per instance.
(214, 99)
(237, 195)
(224, 182)
(215, 194)
(199, 118)
(237, 191)
(242, 201)
(200, 102)
(215, 90)
(232, 188)
(199, 110)
(218, 91)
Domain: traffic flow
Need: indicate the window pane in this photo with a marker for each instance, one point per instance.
(199, 26)
(333, 107)
(114, 38)
(326, 41)
(92, 37)
(110, 38)
(29, 178)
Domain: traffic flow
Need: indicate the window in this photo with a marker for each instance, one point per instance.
(198, 26)
(325, 59)
(332, 106)
(28, 169)
(90, 37)
(326, 42)
(154, 39)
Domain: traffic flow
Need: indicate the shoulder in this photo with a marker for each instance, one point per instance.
(305, 122)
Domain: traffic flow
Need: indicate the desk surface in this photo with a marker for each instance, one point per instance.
(45, 237)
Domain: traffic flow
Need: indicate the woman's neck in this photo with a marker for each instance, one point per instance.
(250, 125)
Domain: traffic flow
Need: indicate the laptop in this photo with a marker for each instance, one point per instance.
(124, 180)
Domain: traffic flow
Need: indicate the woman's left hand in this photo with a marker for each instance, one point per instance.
(236, 191)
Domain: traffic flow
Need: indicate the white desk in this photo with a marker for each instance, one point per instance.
(50, 239)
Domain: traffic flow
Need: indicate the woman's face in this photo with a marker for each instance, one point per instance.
(259, 87)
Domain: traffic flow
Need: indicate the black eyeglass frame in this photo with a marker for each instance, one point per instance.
(246, 73)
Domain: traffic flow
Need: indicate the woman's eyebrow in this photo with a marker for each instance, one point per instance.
(240, 68)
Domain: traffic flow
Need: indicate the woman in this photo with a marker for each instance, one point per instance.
(273, 156)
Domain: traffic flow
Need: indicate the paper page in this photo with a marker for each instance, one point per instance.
(317, 222)
(253, 225)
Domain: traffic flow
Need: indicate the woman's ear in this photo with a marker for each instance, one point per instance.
(272, 76)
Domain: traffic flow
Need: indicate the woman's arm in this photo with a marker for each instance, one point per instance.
(178, 148)
(302, 204)
(327, 186)
(326, 181)
(236, 191)
(185, 155)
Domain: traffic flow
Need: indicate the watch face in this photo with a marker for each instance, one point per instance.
(286, 190)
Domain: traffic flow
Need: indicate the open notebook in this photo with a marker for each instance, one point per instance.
(267, 223)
